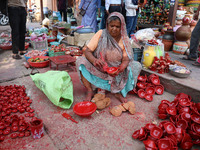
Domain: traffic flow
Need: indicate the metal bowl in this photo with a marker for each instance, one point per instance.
(84, 30)
(179, 75)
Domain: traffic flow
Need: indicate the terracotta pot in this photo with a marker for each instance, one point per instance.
(167, 44)
(169, 35)
(183, 33)
(180, 47)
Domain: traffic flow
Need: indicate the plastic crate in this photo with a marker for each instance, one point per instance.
(52, 53)
(39, 45)
(137, 53)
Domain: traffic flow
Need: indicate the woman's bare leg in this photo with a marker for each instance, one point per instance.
(88, 86)
(121, 98)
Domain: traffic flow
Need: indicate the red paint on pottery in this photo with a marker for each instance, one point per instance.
(37, 129)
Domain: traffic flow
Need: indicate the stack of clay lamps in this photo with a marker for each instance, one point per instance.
(161, 65)
(147, 87)
(14, 110)
(181, 131)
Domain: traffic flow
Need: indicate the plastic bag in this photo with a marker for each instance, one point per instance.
(145, 34)
(56, 85)
(57, 14)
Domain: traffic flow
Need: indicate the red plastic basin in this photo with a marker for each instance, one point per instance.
(39, 64)
(84, 109)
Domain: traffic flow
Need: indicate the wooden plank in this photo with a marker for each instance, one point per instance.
(172, 13)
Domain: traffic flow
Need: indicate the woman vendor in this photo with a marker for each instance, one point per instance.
(109, 47)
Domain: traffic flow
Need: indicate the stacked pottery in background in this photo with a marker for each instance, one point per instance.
(182, 36)
(168, 37)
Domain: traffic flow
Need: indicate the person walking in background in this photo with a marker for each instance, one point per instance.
(76, 12)
(194, 41)
(103, 20)
(17, 18)
(132, 11)
(90, 17)
(113, 6)
(62, 6)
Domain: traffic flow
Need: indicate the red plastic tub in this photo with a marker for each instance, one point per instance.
(84, 109)
(39, 64)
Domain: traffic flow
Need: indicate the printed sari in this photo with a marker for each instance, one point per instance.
(112, 54)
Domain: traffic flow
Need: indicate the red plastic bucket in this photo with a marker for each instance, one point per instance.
(37, 129)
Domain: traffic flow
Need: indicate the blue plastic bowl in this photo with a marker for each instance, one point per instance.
(54, 43)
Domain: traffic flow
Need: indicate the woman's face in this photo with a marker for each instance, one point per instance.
(114, 28)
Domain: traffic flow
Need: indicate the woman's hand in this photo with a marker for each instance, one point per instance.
(122, 67)
(98, 63)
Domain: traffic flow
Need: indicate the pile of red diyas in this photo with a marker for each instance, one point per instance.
(14, 102)
(148, 86)
(161, 65)
(182, 130)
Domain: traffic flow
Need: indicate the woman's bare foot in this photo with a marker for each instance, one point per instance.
(121, 98)
(89, 96)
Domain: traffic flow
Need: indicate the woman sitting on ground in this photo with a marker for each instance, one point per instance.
(111, 47)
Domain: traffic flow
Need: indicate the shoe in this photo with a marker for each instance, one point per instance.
(189, 58)
(16, 56)
(196, 64)
(23, 52)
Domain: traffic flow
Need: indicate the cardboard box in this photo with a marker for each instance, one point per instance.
(70, 40)
(82, 39)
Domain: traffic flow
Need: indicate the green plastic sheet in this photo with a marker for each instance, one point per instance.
(56, 85)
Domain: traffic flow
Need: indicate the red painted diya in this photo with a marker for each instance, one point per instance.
(170, 128)
(162, 116)
(195, 118)
(150, 144)
(182, 124)
(142, 78)
(156, 132)
(171, 110)
(141, 85)
(112, 70)
(148, 97)
(159, 89)
(164, 144)
(150, 90)
(155, 80)
(141, 93)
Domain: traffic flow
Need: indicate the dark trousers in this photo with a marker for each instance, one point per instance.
(17, 19)
(113, 9)
(63, 12)
(194, 41)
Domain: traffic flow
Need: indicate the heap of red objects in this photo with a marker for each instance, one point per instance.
(182, 130)
(152, 42)
(161, 65)
(14, 102)
(148, 86)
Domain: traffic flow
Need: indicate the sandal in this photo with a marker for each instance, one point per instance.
(16, 56)
(23, 52)
(189, 58)
(196, 64)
